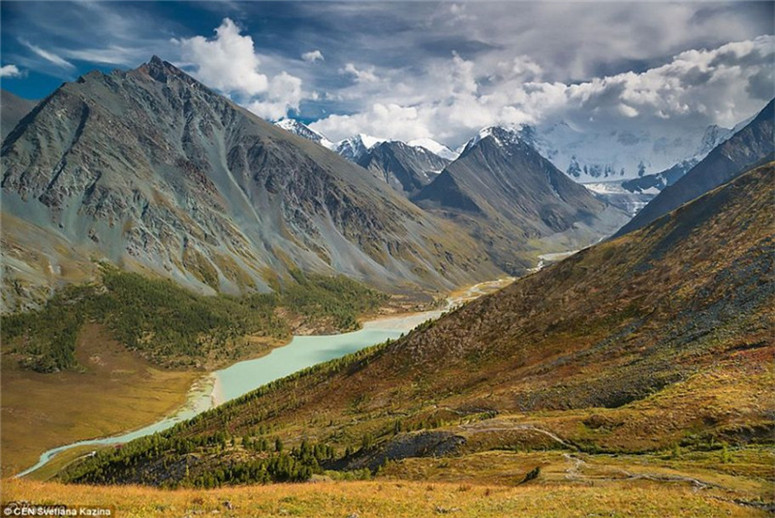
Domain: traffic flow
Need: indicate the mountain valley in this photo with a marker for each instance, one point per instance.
(368, 260)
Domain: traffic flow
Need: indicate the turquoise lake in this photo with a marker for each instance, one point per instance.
(244, 376)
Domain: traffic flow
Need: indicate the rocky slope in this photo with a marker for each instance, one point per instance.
(150, 169)
(515, 200)
(407, 169)
(752, 144)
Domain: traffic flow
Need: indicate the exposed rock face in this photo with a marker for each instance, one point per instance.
(405, 168)
(151, 169)
(753, 144)
(509, 194)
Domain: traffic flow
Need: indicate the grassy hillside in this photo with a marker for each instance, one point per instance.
(112, 390)
(102, 358)
(377, 499)
(173, 327)
(650, 355)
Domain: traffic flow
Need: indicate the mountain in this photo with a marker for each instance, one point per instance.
(752, 144)
(405, 168)
(618, 155)
(302, 130)
(356, 147)
(12, 110)
(151, 170)
(658, 181)
(434, 147)
(516, 201)
(634, 194)
(653, 347)
(714, 136)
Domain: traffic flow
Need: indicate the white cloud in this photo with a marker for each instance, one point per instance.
(48, 56)
(226, 62)
(312, 56)
(361, 76)
(112, 55)
(284, 94)
(456, 96)
(230, 64)
(10, 71)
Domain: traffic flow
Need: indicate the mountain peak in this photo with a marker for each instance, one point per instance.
(434, 147)
(503, 135)
(161, 70)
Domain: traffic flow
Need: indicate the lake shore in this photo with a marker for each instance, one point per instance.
(217, 387)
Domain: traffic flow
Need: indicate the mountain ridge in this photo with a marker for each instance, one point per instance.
(151, 169)
(754, 143)
(514, 199)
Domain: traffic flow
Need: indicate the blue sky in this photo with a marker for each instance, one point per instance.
(421, 69)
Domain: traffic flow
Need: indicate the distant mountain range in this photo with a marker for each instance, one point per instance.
(753, 144)
(151, 170)
(586, 158)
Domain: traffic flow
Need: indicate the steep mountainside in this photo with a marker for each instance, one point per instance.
(752, 144)
(512, 198)
(356, 147)
(405, 168)
(659, 338)
(658, 181)
(12, 110)
(151, 169)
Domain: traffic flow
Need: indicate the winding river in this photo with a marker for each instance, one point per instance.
(302, 352)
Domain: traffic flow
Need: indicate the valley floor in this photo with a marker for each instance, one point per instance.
(115, 391)
(551, 495)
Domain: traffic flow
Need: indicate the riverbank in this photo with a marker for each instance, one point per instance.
(115, 391)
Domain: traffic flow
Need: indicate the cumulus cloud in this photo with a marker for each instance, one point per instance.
(10, 71)
(365, 75)
(283, 95)
(312, 56)
(47, 55)
(456, 96)
(228, 62)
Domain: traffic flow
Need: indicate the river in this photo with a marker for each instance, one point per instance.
(301, 352)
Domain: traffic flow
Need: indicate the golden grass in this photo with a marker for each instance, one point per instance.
(116, 392)
(387, 498)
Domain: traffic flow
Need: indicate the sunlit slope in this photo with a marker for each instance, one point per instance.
(661, 338)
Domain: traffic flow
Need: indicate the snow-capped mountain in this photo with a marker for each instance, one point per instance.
(434, 147)
(356, 147)
(502, 135)
(504, 190)
(302, 130)
(405, 168)
(618, 155)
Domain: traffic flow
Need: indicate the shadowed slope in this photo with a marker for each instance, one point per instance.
(514, 200)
